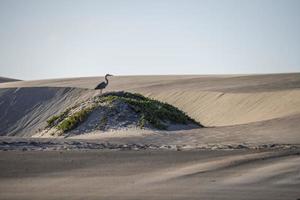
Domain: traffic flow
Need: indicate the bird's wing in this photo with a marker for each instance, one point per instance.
(101, 85)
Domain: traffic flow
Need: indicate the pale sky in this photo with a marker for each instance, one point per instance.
(69, 38)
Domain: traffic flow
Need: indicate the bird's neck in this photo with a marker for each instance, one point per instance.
(106, 79)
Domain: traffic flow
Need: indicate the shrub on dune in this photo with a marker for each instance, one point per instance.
(119, 109)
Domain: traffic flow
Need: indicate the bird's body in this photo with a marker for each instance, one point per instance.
(103, 84)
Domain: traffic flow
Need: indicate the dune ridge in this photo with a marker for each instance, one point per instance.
(214, 101)
(224, 109)
(5, 79)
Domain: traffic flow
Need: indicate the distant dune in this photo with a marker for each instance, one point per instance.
(4, 79)
(214, 101)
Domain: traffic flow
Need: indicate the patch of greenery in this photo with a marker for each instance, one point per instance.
(106, 99)
(56, 118)
(151, 111)
(51, 121)
(73, 120)
(142, 121)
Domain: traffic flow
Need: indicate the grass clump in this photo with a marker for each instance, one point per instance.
(151, 111)
(142, 121)
(51, 121)
(56, 118)
(73, 120)
(131, 108)
(107, 99)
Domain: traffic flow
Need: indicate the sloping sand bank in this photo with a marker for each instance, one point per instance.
(25, 110)
(223, 109)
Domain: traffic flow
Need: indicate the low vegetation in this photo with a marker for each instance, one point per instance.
(51, 121)
(116, 108)
(56, 118)
(151, 111)
(73, 120)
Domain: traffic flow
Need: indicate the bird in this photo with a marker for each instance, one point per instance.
(103, 84)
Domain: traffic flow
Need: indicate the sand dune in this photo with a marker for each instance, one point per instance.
(212, 100)
(222, 83)
(257, 114)
(25, 110)
(4, 79)
(223, 109)
(276, 131)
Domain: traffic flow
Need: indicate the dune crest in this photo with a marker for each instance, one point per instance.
(214, 101)
(223, 109)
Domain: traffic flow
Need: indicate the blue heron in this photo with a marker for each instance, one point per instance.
(103, 84)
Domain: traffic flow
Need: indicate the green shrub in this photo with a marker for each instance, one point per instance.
(151, 111)
(142, 121)
(56, 118)
(51, 121)
(107, 99)
(73, 120)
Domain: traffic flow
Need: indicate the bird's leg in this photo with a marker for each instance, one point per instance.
(101, 92)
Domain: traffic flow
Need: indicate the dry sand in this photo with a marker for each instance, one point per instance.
(4, 79)
(213, 100)
(252, 111)
(150, 175)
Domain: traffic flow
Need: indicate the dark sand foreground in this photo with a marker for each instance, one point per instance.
(205, 174)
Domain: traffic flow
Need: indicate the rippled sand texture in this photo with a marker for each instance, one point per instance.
(150, 175)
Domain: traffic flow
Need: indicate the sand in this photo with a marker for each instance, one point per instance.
(5, 79)
(212, 100)
(256, 115)
(25, 110)
(203, 174)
